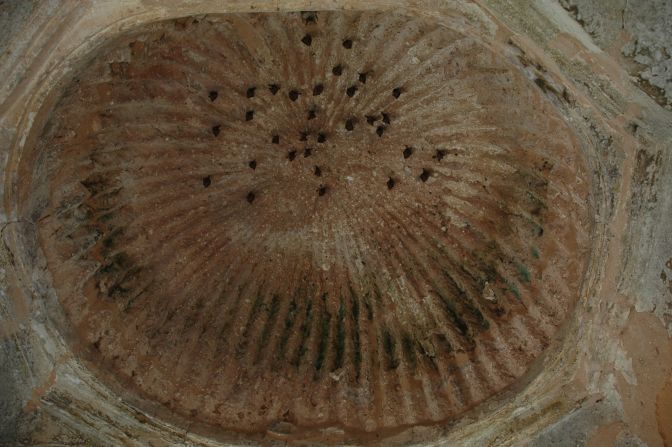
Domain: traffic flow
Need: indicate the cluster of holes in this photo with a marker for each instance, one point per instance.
(311, 17)
(426, 172)
(307, 152)
(312, 113)
(381, 128)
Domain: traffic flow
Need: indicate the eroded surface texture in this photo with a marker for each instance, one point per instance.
(638, 30)
(291, 221)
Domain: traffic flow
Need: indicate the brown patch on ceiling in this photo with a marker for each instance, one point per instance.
(223, 278)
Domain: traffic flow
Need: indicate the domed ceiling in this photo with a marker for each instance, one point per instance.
(288, 221)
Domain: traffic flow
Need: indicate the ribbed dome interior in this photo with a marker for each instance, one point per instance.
(292, 221)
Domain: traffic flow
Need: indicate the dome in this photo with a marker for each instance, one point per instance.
(280, 222)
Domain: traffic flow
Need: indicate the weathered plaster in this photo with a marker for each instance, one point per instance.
(607, 380)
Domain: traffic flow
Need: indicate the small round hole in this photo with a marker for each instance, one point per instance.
(207, 181)
(253, 164)
(408, 151)
(380, 130)
(390, 183)
(307, 152)
(386, 118)
(275, 139)
(249, 115)
(294, 95)
(251, 91)
(307, 40)
(362, 78)
(291, 155)
(321, 137)
(216, 129)
(396, 92)
(347, 44)
(440, 154)
(318, 171)
(312, 114)
(250, 197)
(318, 89)
(322, 190)
(309, 17)
(337, 70)
(370, 119)
(213, 95)
(274, 88)
(350, 125)
(424, 176)
(351, 91)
